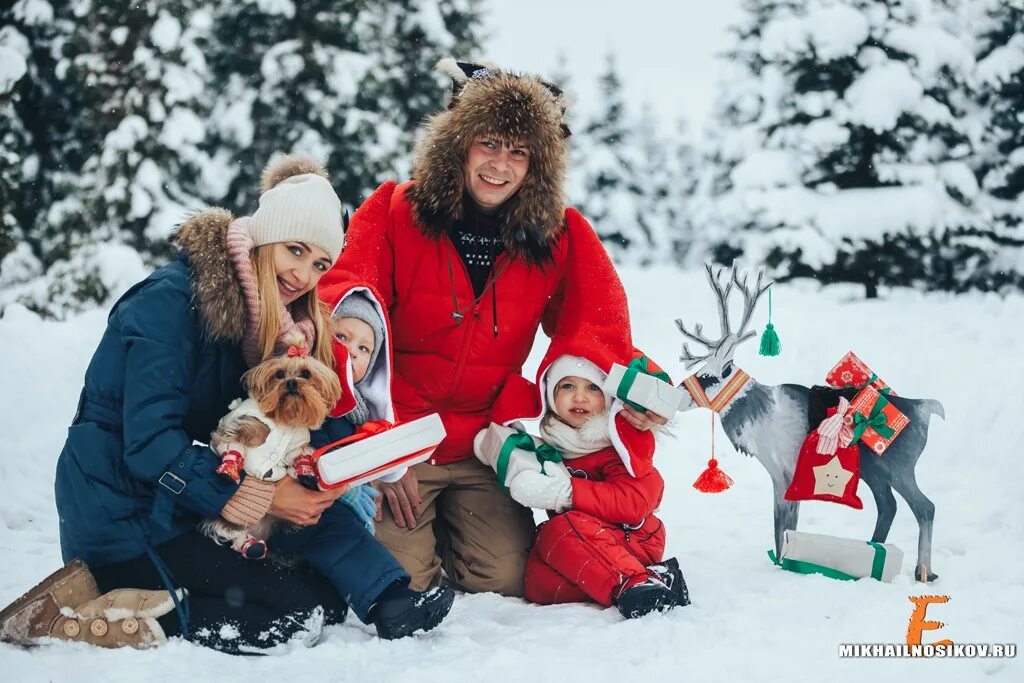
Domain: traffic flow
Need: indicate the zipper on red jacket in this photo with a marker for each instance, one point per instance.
(474, 313)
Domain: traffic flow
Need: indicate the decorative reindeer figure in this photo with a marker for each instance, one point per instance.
(771, 422)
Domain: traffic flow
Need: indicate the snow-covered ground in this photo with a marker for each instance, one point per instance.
(749, 622)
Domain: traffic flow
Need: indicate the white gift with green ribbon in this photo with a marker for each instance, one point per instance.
(643, 388)
(845, 559)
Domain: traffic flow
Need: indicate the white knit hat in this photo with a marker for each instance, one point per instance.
(300, 208)
(571, 366)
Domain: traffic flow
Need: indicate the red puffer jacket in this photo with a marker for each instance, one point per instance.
(602, 487)
(457, 367)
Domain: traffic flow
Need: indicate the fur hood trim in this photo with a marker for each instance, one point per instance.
(215, 287)
(510, 106)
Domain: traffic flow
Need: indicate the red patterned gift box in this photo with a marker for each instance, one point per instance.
(875, 420)
(851, 371)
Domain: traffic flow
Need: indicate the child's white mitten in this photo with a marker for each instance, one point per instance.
(551, 491)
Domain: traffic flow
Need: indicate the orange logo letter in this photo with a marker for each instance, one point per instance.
(918, 625)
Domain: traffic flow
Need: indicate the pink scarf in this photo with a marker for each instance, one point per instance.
(240, 245)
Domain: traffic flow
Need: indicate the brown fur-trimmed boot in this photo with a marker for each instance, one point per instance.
(126, 617)
(34, 614)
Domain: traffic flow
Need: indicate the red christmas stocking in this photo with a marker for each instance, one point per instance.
(832, 475)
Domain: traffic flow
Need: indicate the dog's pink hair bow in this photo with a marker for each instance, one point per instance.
(301, 352)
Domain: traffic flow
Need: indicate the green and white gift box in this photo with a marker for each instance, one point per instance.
(509, 450)
(838, 558)
(638, 388)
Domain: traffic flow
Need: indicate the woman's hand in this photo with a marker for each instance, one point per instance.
(642, 421)
(403, 498)
(294, 503)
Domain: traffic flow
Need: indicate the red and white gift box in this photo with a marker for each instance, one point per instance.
(851, 371)
(377, 449)
(870, 403)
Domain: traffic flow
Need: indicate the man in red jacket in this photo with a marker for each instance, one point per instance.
(469, 259)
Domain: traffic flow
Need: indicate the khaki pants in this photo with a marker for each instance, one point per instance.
(468, 526)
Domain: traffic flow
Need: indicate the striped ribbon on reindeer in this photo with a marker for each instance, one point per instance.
(723, 398)
(713, 479)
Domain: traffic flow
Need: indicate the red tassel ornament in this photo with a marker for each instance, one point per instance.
(712, 479)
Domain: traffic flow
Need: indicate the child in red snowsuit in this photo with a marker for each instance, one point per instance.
(605, 543)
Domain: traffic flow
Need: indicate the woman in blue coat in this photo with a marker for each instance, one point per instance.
(132, 482)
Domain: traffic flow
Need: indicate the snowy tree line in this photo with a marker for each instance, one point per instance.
(870, 141)
(120, 117)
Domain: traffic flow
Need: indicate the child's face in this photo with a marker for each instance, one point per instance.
(356, 336)
(577, 400)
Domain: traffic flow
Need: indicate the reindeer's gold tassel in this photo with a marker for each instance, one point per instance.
(713, 479)
(770, 345)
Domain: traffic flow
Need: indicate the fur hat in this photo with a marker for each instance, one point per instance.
(487, 100)
(357, 305)
(298, 204)
(572, 366)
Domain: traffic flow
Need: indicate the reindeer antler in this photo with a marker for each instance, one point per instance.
(722, 295)
(689, 358)
(749, 301)
(723, 347)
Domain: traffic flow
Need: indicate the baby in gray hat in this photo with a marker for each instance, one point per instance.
(358, 326)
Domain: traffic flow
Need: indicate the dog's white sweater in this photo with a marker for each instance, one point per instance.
(271, 459)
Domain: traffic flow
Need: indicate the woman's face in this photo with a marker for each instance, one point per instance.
(298, 266)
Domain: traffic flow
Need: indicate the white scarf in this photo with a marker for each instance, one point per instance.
(572, 442)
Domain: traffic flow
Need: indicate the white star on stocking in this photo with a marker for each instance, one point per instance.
(831, 478)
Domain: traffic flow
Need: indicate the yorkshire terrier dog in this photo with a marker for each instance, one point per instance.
(267, 434)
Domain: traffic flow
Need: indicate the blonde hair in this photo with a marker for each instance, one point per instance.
(270, 309)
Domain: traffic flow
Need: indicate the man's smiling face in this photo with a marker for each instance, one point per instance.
(495, 170)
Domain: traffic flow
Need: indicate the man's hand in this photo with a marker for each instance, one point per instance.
(403, 498)
(294, 503)
(642, 421)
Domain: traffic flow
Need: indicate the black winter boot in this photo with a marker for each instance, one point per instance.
(400, 611)
(640, 599)
(670, 574)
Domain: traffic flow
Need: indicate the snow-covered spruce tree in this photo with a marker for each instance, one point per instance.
(607, 162)
(345, 81)
(141, 79)
(42, 153)
(135, 79)
(410, 35)
(15, 139)
(561, 76)
(666, 174)
(848, 157)
(1000, 77)
(34, 115)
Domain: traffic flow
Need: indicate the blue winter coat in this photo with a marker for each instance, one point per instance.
(168, 365)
